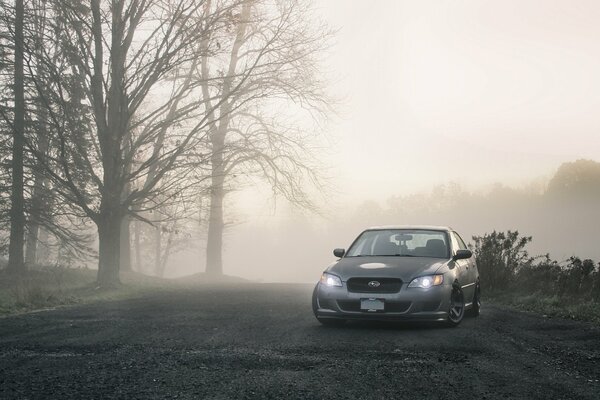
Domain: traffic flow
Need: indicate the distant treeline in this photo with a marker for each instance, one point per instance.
(561, 213)
(506, 266)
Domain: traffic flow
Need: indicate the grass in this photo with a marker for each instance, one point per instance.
(50, 287)
(551, 306)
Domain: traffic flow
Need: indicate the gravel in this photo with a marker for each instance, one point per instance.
(261, 341)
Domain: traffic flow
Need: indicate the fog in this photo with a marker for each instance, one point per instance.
(460, 113)
(176, 174)
(467, 91)
(472, 93)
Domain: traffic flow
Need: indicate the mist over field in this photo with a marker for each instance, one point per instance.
(283, 244)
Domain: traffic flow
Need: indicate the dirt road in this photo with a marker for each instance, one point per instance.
(261, 341)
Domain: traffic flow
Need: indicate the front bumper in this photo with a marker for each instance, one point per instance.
(408, 304)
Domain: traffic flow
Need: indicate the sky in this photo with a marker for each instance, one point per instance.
(474, 92)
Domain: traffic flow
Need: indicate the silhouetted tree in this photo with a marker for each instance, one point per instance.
(17, 211)
(121, 58)
(578, 179)
(270, 54)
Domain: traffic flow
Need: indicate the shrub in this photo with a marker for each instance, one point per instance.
(505, 265)
(499, 255)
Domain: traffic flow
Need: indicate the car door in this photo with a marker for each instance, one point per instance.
(473, 273)
(467, 271)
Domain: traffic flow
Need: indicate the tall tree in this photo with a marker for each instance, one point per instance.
(123, 56)
(17, 212)
(39, 204)
(271, 56)
(53, 219)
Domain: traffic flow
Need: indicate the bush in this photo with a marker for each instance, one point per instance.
(499, 255)
(505, 265)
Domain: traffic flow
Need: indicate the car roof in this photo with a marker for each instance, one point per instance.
(412, 227)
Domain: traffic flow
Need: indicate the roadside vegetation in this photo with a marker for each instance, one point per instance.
(511, 276)
(48, 287)
(44, 287)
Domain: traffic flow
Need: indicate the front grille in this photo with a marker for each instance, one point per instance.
(430, 305)
(326, 303)
(349, 305)
(397, 306)
(386, 285)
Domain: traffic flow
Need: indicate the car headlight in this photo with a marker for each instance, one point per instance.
(330, 280)
(427, 281)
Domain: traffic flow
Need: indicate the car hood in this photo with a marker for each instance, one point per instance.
(405, 268)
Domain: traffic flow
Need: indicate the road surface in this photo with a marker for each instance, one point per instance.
(260, 341)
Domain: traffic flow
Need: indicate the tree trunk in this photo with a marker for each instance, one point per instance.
(216, 224)
(32, 243)
(109, 235)
(214, 243)
(17, 215)
(125, 247)
(112, 118)
(157, 248)
(43, 253)
(126, 222)
(39, 200)
(165, 255)
(138, 251)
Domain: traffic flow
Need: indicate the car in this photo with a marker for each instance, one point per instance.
(420, 273)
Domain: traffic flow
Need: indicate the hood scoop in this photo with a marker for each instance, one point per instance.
(373, 266)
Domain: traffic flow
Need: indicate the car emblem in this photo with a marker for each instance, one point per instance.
(374, 284)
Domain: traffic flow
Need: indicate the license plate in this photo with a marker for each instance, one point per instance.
(372, 304)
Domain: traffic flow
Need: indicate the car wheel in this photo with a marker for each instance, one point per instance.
(456, 312)
(476, 308)
(324, 321)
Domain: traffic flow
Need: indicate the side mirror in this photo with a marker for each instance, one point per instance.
(462, 255)
(339, 252)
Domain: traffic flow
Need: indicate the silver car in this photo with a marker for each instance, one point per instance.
(423, 273)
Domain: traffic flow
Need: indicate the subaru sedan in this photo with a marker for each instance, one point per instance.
(423, 273)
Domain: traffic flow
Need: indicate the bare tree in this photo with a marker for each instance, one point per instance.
(40, 204)
(172, 231)
(140, 99)
(6, 126)
(120, 56)
(17, 212)
(271, 56)
(53, 219)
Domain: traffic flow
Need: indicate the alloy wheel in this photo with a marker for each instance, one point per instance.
(457, 306)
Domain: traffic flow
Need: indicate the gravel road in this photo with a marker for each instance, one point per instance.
(261, 341)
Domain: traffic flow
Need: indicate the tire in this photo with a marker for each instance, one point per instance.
(324, 321)
(476, 308)
(456, 313)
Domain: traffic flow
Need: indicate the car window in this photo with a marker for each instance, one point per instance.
(459, 242)
(400, 242)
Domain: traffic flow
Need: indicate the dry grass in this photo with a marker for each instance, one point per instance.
(50, 287)
(551, 306)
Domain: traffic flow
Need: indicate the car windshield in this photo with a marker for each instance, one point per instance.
(400, 242)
